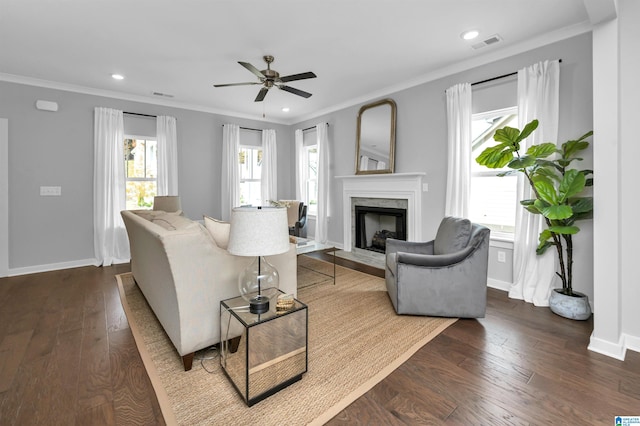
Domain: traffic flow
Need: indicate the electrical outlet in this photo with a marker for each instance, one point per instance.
(425, 187)
(50, 191)
(502, 257)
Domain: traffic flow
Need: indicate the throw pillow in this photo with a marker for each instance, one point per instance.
(219, 230)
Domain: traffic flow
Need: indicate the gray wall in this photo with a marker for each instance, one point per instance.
(56, 149)
(421, 144)
(47, 149)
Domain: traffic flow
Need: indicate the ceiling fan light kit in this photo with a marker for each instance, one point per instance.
(271, 78)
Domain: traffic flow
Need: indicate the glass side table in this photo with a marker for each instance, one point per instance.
(262, 353)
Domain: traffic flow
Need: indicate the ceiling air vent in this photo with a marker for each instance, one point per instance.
(488, 41)
(164, 95)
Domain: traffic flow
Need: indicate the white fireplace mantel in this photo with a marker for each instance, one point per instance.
(389, 185)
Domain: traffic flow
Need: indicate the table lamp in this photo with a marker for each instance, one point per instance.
(259, 232)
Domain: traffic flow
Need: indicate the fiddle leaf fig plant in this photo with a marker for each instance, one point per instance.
(557, 188)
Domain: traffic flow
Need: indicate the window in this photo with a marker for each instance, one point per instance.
(493, 200)
(250, 159)
(310, 171)
(141, 165)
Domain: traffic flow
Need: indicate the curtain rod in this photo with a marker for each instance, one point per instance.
(500, 76)
(259, 130)
(140, 115)
(312, 128)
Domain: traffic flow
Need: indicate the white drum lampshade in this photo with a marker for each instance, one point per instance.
(258, 231)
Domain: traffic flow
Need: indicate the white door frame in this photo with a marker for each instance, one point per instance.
(4, 197)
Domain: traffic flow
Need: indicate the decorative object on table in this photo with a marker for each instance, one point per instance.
(259, 232)
(280, 203)
(285, 302)
(557, 192)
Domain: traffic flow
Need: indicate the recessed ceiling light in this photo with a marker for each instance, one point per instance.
(470, 35)
(285, 109)
(117, 76)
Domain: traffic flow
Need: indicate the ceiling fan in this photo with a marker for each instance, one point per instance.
(270, 78)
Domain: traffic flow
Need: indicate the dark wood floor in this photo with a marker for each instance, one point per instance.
(68, 357)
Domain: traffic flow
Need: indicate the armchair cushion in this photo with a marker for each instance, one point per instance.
(453, 235)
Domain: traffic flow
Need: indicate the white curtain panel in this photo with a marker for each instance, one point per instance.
(323, 183)
(301, 166)
(459, 150)
(230, 181)
(269, 178)
(538, 97)
(110, 241)
(167, 139)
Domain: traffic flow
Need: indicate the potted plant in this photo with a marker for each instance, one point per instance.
(557, 190)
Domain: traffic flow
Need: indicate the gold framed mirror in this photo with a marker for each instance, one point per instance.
(376, 138)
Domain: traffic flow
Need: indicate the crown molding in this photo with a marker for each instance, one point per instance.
(461, 66)
(48, 84)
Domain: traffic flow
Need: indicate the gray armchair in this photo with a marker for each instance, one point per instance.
(446, 277)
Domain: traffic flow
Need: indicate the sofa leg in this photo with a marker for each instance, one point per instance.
(187, 360)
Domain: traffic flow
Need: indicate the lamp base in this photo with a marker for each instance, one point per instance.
(259, 304)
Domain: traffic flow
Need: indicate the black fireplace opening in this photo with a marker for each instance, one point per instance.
(375, 224)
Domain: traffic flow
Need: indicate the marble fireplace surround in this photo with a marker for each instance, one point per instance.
(404, 186)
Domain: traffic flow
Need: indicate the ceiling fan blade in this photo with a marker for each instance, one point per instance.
(251, 68)
(236, 84)
(261, 94)
(294, 77)
(295, 91)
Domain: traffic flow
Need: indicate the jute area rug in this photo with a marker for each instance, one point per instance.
(355, 340)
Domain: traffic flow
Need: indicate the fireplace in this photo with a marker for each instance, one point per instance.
(390, 190)
(375, 224)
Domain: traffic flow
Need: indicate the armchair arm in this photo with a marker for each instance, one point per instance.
(434, 261)
(302, 221)
(394, 246)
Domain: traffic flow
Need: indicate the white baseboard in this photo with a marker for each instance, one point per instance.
(498, 285)
(52, 267)
(615, 350)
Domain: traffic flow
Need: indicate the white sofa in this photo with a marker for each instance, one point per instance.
(184, 275)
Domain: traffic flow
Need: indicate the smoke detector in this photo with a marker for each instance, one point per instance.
(488, 41)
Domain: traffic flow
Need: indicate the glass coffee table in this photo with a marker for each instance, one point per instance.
(308, 246)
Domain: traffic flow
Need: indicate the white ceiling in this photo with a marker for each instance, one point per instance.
(359, 49)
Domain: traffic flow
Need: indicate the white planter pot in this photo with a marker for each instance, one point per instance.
(573, 307)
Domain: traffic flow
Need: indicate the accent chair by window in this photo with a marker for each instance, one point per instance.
(445, 277)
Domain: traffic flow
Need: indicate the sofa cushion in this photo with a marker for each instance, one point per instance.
(172, 221)
(219, 230)
(453, 235)
(152, 214)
